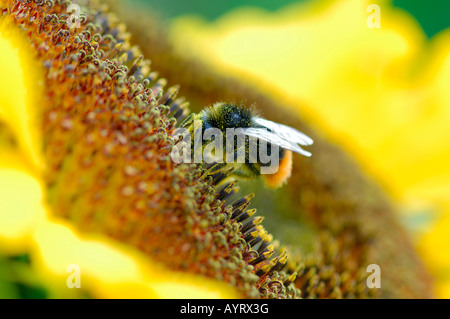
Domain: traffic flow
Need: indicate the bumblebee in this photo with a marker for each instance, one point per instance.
(253, 145)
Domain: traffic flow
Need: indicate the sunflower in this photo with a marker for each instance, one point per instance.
(93, 206)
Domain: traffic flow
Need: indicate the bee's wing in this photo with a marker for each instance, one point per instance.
(284, 131)
(273, 138)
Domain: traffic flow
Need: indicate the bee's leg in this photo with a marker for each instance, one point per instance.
(247, 170)
(219, 172)
(214, 167)
(227, 172)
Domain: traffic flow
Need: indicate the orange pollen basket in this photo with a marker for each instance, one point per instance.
(282, 175)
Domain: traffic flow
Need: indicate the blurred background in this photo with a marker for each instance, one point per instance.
(375, 79)
(431, 15)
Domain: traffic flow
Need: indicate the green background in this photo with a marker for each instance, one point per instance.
(432, 15)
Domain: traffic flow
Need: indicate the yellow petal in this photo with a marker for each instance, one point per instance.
(112, 270)
(20, 210)
(21, 90)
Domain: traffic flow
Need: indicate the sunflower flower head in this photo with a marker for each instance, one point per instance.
(88, 187)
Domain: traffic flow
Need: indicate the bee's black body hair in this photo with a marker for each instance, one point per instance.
(228, 115)
(232, 115)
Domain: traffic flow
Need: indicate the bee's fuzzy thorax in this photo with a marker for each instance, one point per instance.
(282, 175)
(228, 115)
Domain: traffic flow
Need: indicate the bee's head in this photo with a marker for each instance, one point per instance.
(228, 115)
